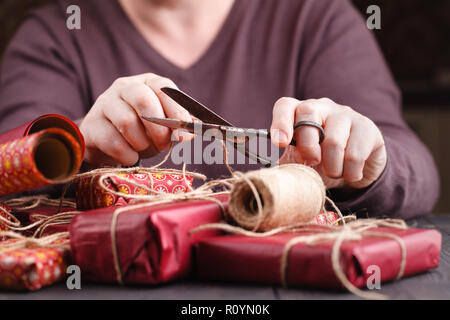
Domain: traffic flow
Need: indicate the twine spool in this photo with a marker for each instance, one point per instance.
(275, 197)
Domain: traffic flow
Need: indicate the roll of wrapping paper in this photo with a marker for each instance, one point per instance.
(46, 121)
(50, 156)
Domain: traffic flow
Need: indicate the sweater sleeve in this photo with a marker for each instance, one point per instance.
(37, 75)
(343, 62)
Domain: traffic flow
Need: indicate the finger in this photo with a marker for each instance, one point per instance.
(108, 140)
(360, 145)
(337, 132)
(127, 122)
(290, 155)
(145, 102)
(171, 108)
(283, 116)
(308, 137)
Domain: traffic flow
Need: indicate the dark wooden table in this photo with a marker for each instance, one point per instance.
(434, 284)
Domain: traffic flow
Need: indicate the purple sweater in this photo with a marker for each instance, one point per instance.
(265, 50)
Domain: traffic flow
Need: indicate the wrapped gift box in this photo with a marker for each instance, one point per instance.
(153, 243)
(90, 195)
(31, 269)
(247, 259)
(27, 217)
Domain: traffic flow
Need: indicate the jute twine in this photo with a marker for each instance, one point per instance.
(57, 241)
(353, 230)
(287, 194)
(41, 221)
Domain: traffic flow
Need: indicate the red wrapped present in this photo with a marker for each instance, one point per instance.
(146, 245)
(53, 220)
(31, 269)
(47, 157)
(90, 194)
(259, 260)
(47, 121)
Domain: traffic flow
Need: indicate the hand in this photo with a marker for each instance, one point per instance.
(352, 154)
(113, 128)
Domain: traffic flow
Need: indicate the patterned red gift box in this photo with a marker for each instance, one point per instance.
(90, 195)
(31, 269)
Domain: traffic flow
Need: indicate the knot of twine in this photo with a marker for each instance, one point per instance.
(54, 241)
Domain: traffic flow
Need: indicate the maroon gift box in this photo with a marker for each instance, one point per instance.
(153, 243)
(27, 217)
(258, 260)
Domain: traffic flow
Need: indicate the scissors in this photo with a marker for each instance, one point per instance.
(211, 124)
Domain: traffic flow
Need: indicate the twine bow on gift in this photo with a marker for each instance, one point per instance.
(17, 241)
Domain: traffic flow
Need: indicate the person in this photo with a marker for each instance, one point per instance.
(258, 63)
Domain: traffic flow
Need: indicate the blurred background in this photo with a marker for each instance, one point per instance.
(415, 39)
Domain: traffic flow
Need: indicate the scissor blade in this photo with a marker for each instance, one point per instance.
(198, 128)
(194, 107)
(203, 113)
(171, 123)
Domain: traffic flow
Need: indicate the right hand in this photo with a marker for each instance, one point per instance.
(114, 130)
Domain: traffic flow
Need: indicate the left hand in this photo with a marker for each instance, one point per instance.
(353, 153)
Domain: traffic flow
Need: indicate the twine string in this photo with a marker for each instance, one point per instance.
(57, 241)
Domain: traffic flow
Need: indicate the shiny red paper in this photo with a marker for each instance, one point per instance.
(153, 244)
(257, 260)
(47, 157)
(90, 195)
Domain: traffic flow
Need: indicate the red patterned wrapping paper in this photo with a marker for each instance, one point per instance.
(43, 122)
(47, 157)
(257, 260)
(31, 269)
(90, 195)
(153, 244)
(328, 217)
